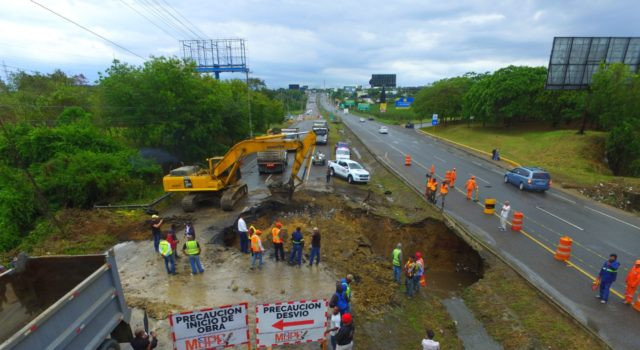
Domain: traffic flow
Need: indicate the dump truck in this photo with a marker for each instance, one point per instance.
(270, 162)
(63, 302)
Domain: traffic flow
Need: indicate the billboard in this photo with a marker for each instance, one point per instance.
(379, 80)
(574, 59)
(404, 102)
(294, 86)
(210, 328)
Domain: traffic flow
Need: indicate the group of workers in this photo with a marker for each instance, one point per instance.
(449, 181)
(251, 242)
(414, 268)
(167, 245)
(609, 273)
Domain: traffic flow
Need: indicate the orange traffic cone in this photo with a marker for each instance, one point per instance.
(407, 160)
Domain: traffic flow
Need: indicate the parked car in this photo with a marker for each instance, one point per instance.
(350, 170)
(371, 118)
(383, 129)
(529, 178)
(409, 125)
(343, 154)
(361, 120)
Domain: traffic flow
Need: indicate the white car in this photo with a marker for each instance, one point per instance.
(383, 130)
(350, 170)
(362, 120)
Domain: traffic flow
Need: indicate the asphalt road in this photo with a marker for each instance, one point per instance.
(596, 230)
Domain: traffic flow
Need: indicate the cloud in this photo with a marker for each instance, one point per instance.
(312, 42)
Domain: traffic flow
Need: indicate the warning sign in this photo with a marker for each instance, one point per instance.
(291, 323)
(211, 328)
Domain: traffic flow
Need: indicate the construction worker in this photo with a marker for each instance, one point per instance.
(192, 249)
(454, 176)
(471, 186)
(504, 215)
(256, 248)
(340, 299)
(409, 271)
(433, 190)
(243, 234)
(346, 285)
(607, 276)
(633, 280)
(419, 272)
(164, 247)
(315, 247)
(278, 245)
(156, 232)
(297, 241)
(426, 187)
(396, 257)
(444, 190)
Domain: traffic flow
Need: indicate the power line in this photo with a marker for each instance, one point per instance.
(151, 8)
(203, 34)
(88, 30)
(175, 18)
(148, 19)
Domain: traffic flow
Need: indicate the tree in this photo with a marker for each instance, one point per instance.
(444, 97)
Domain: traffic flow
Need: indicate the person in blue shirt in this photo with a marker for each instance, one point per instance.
(297, 240)
(607, 276)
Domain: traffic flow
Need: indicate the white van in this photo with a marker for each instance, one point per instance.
(343, 153)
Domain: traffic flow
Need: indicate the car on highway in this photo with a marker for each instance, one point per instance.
(350, 170)
(383, 129)
(529, 178)
(318, 158)
(409, 125)
(362, 120)
(343, 153)
(371, 118)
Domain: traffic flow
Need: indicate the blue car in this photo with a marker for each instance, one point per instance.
(529, 178)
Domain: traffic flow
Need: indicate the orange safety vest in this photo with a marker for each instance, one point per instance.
(453, 175)
(275, 233)
(471, 184)
(255, 243)
(633, 278)
(432, 185)
(444, 189)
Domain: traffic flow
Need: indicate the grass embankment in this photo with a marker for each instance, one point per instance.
(393, 115)
(518, 317)
(572, 159)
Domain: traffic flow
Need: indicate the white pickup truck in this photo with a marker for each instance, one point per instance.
(349, 169)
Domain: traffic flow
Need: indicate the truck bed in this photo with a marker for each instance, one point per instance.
(60, 301)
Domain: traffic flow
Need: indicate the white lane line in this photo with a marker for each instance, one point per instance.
(268, 177)
(561, 219)
(481, 179)
(613, 217)
(357, 153)
(476, 163)
(396, 142)
(563, 198)
(440, 159)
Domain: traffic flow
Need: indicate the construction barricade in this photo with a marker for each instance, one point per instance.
(490, 206)
(563, 253)
(516, 224)
(407, 160)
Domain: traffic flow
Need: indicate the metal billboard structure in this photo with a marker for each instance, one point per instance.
(216, 55)
(380, 80)
(574, 59)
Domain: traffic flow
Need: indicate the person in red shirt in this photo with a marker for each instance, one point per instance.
(173, 240)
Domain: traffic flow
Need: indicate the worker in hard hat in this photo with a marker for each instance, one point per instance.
(471, 186)
(256, 248)
(433, 189)
(278, 245)
(453, 178)
(633, 280)
(444, 190)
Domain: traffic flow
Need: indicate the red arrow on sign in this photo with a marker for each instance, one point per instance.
(281, 324)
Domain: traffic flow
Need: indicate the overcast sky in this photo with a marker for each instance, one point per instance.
(310, 42)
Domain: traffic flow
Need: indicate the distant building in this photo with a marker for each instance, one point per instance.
(294, 86)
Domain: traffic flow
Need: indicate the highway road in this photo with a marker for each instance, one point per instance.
(597, 230)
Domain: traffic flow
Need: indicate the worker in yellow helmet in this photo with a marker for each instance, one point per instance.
(256, 248)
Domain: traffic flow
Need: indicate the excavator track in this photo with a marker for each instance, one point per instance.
(232, 195)
(189, 202)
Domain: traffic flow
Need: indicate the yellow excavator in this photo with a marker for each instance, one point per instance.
(221, 181)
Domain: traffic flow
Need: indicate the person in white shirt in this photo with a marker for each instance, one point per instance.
(429, 343)
(504, 215)
(244, 238)
(334, 325)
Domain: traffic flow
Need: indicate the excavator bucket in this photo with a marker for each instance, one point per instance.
(281, 192)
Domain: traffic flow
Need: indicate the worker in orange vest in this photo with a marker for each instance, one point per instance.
(444, 190)
(454, 176)
(278, 245)
(256, 248)
(633, 280)
(433, 189)
(471, 186)
(426, 190)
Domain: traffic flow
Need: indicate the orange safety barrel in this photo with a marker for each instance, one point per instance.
(490, 206)
(407, 160)
(563, 252)
(516, 224)
(636, 305)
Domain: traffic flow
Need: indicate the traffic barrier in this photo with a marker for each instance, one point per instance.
(516, 224)
(563, 253)
(407, 160)
(489, 206)
(636, 305)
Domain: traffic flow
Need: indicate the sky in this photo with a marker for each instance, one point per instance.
(327, 43)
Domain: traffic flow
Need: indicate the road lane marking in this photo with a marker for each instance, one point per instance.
(268, 177)
(561, 219)
(476, 163)
(440, 159)
(479, 178)
(613, 217)
(357, 153)
(563, 198)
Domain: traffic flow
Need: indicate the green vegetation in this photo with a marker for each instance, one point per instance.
(393, 115)
(65, 144)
